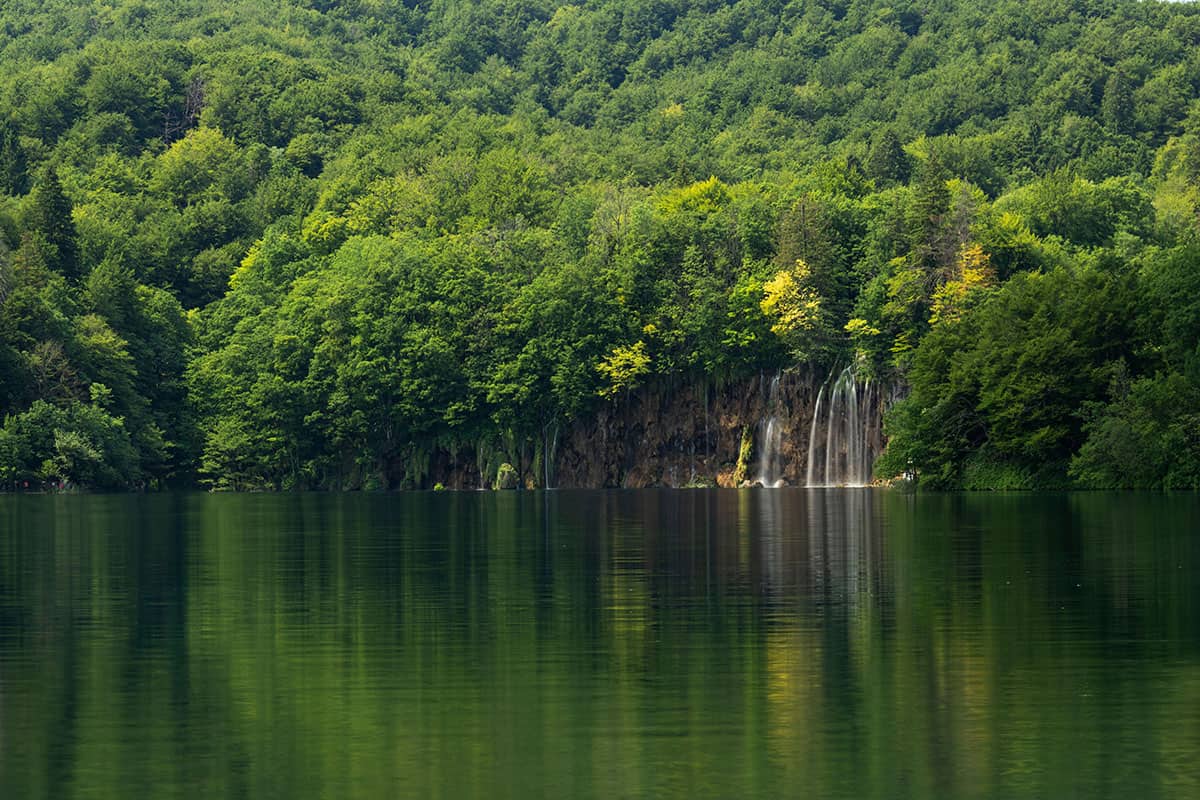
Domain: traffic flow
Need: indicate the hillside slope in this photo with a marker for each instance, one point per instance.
(311, 244)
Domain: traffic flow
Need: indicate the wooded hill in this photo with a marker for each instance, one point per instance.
(301, 244)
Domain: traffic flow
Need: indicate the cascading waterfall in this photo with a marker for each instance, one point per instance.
(842, 445)
(771, 440)
(810, 473)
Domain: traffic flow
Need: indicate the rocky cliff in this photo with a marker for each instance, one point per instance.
(737, 433)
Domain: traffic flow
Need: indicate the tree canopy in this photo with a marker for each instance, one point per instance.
(302, 244)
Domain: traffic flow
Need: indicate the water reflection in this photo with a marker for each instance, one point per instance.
(835, 643)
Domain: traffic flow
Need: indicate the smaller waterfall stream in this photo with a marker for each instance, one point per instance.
(811, 472)
(770, 470)
(549, 449)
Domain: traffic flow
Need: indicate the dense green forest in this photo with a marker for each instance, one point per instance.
(303, 243)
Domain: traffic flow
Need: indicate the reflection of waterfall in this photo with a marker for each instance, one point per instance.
(842, 444)
(771, 440)
(844, 556)
(772, 528)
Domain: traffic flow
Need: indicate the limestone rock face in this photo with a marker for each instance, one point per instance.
(686, 435)
(694, 434)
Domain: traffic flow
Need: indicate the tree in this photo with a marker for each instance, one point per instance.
(1006, 382)
(1116, 106)
(1144, 438)
(509, 187)
(927, 215)
(7, 279)
(887, 162)
(49, 218)
(78, 443)
(624, 368)
(806, 232)
(202, 165)
(793, 307)
(14, 178)
(973, 272)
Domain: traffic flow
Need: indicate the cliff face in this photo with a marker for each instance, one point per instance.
(687, 436)
(693, 435)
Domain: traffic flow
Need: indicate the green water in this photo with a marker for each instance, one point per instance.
(789, 643)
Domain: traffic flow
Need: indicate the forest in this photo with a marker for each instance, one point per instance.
(282, 244)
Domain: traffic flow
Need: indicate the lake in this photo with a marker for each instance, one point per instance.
(848, 643)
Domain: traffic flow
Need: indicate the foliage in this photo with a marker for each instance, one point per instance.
(793, 307)
(973, 272)
(79, 444)
(313, 244)
(1145, 437)
(1010, 377)
(745, 452)
(624, 368)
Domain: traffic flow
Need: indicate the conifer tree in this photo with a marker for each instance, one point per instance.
(13, 166)
(931, 201)
(50, 220)
(1116, 106)
(887, 162)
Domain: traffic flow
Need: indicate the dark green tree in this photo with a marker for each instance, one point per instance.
(49, 219)
(927, 215)
(887, 162)
(14, 178)
(1116, 106)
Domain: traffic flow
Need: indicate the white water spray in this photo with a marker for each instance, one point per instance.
(811, 472)
(770, 471)
(842, 444)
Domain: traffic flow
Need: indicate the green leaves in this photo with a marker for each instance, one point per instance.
(441, 224)
(1144, 438)
(76, 443)
(624, 369)
(49, 221)
(1011, 376)
(203, 164)
(793, 306)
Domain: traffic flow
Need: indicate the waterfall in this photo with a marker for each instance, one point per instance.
(850, 431)
(811, 472)
(549, 449)
(771, 440)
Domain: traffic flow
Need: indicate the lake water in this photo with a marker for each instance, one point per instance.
(788, 643)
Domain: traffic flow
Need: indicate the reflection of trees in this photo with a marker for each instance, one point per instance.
(834, 643)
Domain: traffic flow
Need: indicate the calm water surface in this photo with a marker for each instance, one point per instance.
(789, 643)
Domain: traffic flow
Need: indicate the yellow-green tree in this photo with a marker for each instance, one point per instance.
(793, 306)
(973, 271)
(624, 368)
